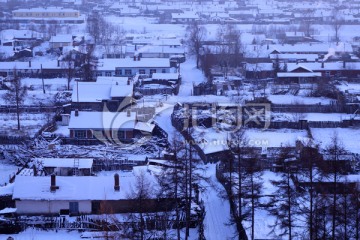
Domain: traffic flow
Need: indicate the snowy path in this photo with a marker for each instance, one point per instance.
(217, 210)
(190, 74)
(163, 119)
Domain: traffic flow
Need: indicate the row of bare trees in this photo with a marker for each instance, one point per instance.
(312, 199)
(173, 197)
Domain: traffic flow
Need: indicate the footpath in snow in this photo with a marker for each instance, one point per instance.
(217, 216)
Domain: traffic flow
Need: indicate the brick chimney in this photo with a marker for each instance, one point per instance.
(116, 182)
(29, 64)
(53, 186)
(76, 112)
(322, 64)
(128, 113)
(134, 58)
(344, 64)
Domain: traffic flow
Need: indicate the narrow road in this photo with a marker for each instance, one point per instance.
(217, 216)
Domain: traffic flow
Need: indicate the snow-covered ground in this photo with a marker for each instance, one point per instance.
(217, 219)
(35, 234)
(348, 137)
(291, 99)
(30, 123)
(291, 117)
(35, 94)
(6, 169)
(274, 137)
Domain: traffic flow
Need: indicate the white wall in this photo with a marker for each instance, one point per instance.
(48, 207)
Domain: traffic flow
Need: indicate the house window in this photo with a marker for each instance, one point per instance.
(152, 71)
(80, 133)
(142, 71)
(95, 207)
(163, 70)
(108, 74)
(127, 71)
(73, 207)
(118, 72)
(327, 73)
(121, 134)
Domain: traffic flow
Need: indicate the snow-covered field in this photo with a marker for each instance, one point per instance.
(35, 234)
(291, 117)
(291, 99)
(348, 137)
(30, 123)
(6, 169)
(274, 137)
(35, 94)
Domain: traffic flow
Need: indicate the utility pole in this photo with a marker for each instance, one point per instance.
(42, 78)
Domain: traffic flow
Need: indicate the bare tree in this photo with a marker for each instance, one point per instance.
(237, 145)
(69, 63)
(230, 49)
(141, 192)
(195, 35)
(334, 151)
(310, 173)
(337, 22)
(88, 65)
(16, 94)
(171, 181)
(283, 205)
(254, 183)
(306, 23)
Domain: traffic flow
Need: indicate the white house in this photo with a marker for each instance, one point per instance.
(185, 17)
(128, 67)
(81, 195)
(61, 40)
(117, 126)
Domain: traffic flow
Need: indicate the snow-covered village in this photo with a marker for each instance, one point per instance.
(180, 120)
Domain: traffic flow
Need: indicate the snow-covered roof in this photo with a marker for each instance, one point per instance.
(102, 120)
(35, 65)
(7, 210)
(103, 89)
(10, 34)
(65, 162)
(211, 141)
(298, 74)
(47, 9)
(165, 76)
(144, 127)
(312, 47)
(300, 67)
(319, 66)
(291, 56)
(75, 188)
(156, 49)
(185, 15)
(7, 190)
(61, 38)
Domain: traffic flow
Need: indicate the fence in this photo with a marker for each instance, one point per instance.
(28, 109)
